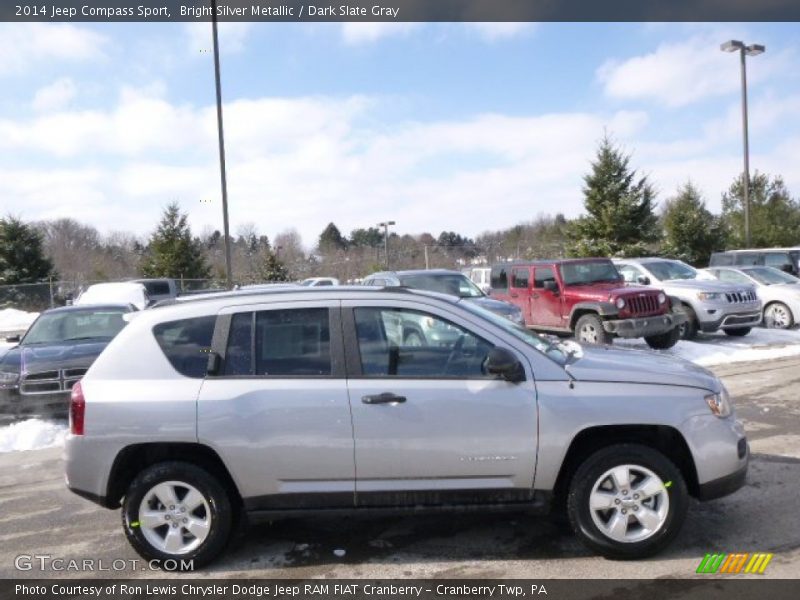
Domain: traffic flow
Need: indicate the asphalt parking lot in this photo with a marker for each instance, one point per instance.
(38, 516)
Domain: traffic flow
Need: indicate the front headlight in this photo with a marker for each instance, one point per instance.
(720, 404)
(620, 303)
(709, 295)
(8, 378)
(662, 298)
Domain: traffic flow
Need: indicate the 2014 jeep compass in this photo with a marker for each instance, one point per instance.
(285, 402)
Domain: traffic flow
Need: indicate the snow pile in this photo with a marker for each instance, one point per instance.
(12, 319)
(32, 434)
(718, 348)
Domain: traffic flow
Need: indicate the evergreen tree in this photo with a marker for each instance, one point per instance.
(331, 240)
(774, 214)
(691, 232)
(366, 238)
(620, 219)
(172, 251)
(22, 257)
(270, 268)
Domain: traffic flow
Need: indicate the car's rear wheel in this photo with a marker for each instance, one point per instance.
(627, 501)
(778, 316)
(664, 341)
(738, 331)
(589, 329)
(688, 329)
(178, 511)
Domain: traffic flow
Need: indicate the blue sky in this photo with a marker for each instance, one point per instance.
(462, 127)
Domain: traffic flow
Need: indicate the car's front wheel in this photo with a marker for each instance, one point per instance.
(178, 511)
(664, 341)
(627, 501)
(589, 329)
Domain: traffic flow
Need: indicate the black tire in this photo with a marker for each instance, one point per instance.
(591, 472)
(737, 331)
(688, 330)
(664, 341)
(589, 330)
(214, 494)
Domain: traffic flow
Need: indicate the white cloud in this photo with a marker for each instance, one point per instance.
(54, 96)
(356, 33)
(677, 74)
(491, 32)
(232, 36)
(23, 45)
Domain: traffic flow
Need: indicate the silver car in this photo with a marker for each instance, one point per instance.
(710, 304)
(288, 402)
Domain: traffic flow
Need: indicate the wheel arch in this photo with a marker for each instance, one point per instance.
(131, 460)
(665, 439)
(601, 309)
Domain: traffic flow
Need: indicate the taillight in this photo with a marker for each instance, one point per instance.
(77, 409)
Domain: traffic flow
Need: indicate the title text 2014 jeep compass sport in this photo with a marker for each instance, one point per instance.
(290, 401)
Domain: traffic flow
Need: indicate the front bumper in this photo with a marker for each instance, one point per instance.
(645, 326)
(722, 486)
(732, 320)
(15, 406)
(720, 451)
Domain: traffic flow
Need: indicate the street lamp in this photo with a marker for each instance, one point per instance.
(744, 51)
(385, 226)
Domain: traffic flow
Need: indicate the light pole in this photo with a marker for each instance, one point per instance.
(221, 136)
(744, 51)
(385, 226)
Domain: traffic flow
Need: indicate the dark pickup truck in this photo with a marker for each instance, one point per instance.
(588, 298)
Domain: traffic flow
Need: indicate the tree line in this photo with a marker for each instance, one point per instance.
(620, 220)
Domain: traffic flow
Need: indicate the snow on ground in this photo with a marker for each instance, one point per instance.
(15, 320)
(718, 348)
(32, 434)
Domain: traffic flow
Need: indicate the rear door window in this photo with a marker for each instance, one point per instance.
(499, 279)
(186, 344)
(293, 342)
(721, 260)
(520, 277)
(749, 258)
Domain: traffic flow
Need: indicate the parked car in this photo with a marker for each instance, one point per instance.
(480, 276)
(778, 291)
(710, 305)
(587, 298)
(445, 281)
(785, 259)
(37, 374)
(285, 403)
(318, 281)
(159, 289)
(118, 292)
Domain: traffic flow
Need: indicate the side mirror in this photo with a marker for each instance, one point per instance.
(214, 364)
(503, 363)
(13, 338)
(551, 286)
(787, 268)
(643, 279)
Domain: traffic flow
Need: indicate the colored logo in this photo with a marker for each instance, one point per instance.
(738, 562)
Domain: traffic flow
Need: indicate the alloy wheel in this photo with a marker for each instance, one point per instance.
(175, 517)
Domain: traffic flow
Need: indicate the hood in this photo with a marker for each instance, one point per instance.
(51, 356)
(705, 285)
(604, 363)
(496, 306)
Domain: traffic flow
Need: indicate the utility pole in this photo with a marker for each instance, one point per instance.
(221, 136)
(385, 226)
(744, 52)
(427, 264)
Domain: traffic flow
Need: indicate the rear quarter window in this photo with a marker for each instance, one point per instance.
(186, 344)
(499, 279)
(721, 260)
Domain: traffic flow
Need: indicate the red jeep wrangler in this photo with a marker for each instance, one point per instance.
(589, 298)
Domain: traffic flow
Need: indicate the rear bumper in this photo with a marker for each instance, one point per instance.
(644, 326)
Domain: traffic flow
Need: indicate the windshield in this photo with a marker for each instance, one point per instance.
(589, 272)
(75, 325)
(667, 270)
(455, 284)
(554, 351)
(770, 276)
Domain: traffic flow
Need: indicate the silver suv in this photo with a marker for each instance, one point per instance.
(709, 303)
(266, 404)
